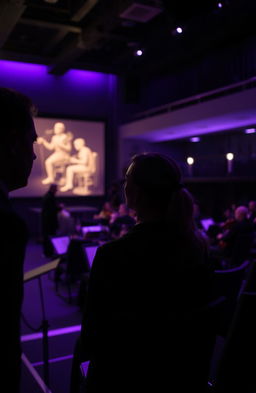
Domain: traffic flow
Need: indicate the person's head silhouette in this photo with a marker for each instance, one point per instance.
(17, 135)
(154, 190)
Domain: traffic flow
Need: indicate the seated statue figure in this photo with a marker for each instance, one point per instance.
(80, 163)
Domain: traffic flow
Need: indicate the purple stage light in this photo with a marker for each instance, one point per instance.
(220, 5)
(250, 131)
(179, 30)
(51, 333)
(195, 139)
(19, 71)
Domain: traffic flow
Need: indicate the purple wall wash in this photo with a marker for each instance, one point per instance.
(77, 93)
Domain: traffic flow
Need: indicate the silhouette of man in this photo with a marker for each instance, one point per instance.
(17, 133)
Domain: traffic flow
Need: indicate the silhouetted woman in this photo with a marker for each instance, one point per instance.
(146, 322)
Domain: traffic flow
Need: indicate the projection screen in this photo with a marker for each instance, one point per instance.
(71, 154)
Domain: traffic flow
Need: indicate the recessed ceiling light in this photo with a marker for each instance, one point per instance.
(139, 52)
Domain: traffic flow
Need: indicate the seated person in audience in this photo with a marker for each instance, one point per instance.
(122, 222)
(144, 326)
(228, 219)
(66, 224)
(252, 210)
(237, 241)
(114, 194)
(252, 213)
(105, 213)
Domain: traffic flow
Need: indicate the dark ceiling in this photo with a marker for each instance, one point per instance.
(103, 35)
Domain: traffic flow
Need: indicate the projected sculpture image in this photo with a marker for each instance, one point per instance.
(81, 163)
(60, 143)
(72, 172)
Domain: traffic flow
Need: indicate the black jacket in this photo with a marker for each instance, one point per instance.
(144, 325)
(13, 239)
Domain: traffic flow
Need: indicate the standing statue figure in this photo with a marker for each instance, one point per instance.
(81, 163)
(61, 145)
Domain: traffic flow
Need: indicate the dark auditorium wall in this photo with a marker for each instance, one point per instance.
(208, 71)
(211, 184)
(210, 153)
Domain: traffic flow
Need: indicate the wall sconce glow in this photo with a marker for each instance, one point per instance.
(179, 30)
(229, 156)
(250, 131)
(190, 160)
(139, 52)
(195, 139)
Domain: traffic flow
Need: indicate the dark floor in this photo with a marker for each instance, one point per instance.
(60, 314)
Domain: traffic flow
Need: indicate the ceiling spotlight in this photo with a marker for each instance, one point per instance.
(195, 139)
(250, 131)
(229, 156)
(139, 52)
(179, 30)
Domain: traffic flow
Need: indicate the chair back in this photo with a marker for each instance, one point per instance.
(241, 249)
(77, 262)
(227, 284)
(236, 368)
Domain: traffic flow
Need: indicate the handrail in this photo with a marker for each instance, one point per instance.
(194, 99)
(234, 269)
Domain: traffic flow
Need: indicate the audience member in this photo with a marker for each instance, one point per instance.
(105, 213)
(252, 212)
(49, 219)
(145, 325)
(16, 158)
(235, 243)
(123, 222)
(228, 219)
(114, 195)
(66, 224)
